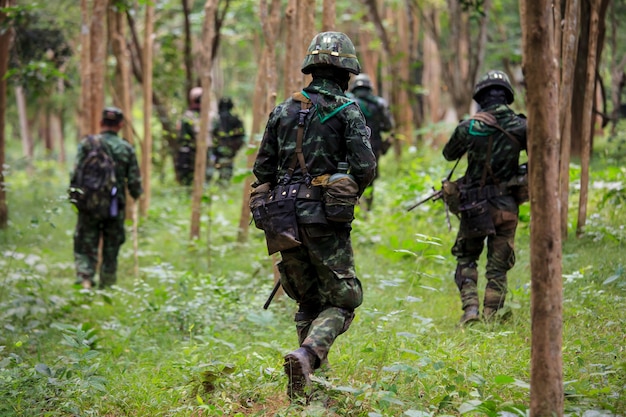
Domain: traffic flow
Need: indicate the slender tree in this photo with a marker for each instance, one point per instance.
(208, 33)
(5, 43)
(146, 149)
(569, 48)
(542, 76)
(329, 12)
(265, 96)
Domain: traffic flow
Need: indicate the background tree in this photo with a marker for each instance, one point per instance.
(5, 42)
(146, 148)
(542, 80)
(208, 35)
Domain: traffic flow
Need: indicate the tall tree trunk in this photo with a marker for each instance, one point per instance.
(258, 117)
(541, 75)
(431, 75)
(587, 116)
(265, 95)
(146, 150)
(188, 59)
(6, 37)
(328, 16)
(208, 35)
(98, 61)
(121, 92)
(568, 63)
(293, 45)
(85, 111)
(306, 20)
(27, 140)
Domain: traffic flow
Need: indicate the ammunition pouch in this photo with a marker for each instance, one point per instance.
(274, 212)
(309, 206)
(340, 196)
(451, 194)
(476, 220)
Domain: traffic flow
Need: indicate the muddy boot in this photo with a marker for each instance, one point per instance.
(493, 302)
(470, 315)
(298, 369)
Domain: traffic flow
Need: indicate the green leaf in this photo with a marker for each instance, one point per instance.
(43, 369)
(504, 379)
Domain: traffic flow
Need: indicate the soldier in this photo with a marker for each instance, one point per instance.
(186, 154)
(306, 138)
(228, 137)
(90, 229)
(379, 120)
(493, 140)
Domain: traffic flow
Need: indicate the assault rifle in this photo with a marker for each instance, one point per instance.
(436, 195)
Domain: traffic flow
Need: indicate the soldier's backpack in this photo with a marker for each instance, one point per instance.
(93, 187)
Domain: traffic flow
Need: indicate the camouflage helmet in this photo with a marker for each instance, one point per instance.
(361, 81)
(195, 94)
(334, 49)
(225, 103)
(495, 78)
(112, 115)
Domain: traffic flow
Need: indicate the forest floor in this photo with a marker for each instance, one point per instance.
(186, 334)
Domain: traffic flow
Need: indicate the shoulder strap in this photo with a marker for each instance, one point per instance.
(298, 157)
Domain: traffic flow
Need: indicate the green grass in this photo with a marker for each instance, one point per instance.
(189, 337)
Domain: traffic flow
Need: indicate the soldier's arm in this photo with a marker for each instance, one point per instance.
(458, 144)
(133, 175)
(360, 155)
(266, 163)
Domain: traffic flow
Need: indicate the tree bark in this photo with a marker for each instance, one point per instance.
(85, 111)
(146, 149)
(293, 46)
(569, 49)
(541, 75)
(27, 140)
(202, 141)
(265, 95)
(6, 38)
(328, 16)
(587, 116)
(98, 61)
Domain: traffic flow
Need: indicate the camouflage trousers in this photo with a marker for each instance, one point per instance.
(500, 259)
(86, 240)
(320, 277)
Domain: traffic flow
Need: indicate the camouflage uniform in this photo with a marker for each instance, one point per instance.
(379, 119)
(472, 137)
(228, 137)
(89, 230)
(186, 153)
(320, 274)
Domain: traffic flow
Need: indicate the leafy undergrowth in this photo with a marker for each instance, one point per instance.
(187, 335)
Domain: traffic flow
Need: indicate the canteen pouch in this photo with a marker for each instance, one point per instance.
(476, 220)
(275, 214)
(340, 197)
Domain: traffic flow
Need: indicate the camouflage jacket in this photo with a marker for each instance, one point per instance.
(188, 130)
(472, 137)
(126, 167)
(228, 134)
(334, 131)
(377, 114)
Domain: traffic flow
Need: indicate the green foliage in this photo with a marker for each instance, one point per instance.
(188, 335)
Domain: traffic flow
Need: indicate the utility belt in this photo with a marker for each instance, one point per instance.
(486, 192)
